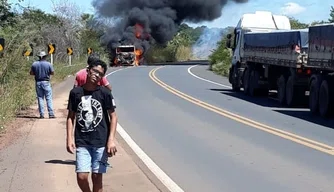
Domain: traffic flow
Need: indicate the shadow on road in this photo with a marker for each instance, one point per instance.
(26, 117)
(267, 101)
(190, 62)
(297, 112)
(307, 116)
(66, 162)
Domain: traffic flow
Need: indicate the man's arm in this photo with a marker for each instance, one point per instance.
(111, 144)
(110, 107)
(108, 87)
(70, 132)
(105, 82)
(52, 71)
(32, 70)
(113, 124)
(70, 144)
(76, 82)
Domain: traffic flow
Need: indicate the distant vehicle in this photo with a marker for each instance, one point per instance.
(125, 55)
(268, 55)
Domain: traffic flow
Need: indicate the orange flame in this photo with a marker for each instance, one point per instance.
(139, 30)
(140, 34)
(139, 54)
(115, 61)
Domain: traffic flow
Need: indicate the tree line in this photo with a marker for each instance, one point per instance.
(28, 30)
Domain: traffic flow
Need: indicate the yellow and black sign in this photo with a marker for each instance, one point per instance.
(70, 51)
(51, 48)
(28, 52)
(2, 44)
(89, 51)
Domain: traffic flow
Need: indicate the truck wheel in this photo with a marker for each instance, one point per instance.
(314, 95)
(235, 87)
(234, 80)
(290, 92)
(246, 81)
(254, 83)
(325, 99)
(230, 75)
(281, 84)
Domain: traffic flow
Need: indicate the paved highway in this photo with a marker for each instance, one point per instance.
(207, 138)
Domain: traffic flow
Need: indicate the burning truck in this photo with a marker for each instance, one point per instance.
(125, 55)
(128, 55)
(129, 52)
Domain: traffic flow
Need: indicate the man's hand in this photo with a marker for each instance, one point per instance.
(70, 146)
(111, 148)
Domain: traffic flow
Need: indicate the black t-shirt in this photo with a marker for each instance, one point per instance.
(92, 119)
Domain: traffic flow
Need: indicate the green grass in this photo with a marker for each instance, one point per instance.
(158, 54)
(17, 87)
(220, 60)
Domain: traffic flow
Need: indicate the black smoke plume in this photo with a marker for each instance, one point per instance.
(142, 22)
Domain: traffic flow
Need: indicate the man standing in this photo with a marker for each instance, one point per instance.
(42, 70)
(92, 108)
(81, 76)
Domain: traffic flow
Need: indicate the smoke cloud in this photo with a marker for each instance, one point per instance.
(207, 42)
(141, 22)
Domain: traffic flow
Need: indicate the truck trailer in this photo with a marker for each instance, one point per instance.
(268, 55)
(321, 66)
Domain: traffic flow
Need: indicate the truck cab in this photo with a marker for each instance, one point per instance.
(125, 55)
(260, 21)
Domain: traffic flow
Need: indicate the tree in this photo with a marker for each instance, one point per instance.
(6, 16)
(296, 24)
(317, 22)
(331, 19)
(90, 34)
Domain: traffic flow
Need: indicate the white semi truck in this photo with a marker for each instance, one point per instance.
(268, 55)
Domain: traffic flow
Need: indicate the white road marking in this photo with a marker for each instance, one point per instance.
(154, 168)
(114, 71)
(160, 174)
(203, 79)
(189, 71)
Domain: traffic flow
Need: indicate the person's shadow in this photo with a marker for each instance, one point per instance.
(66, 162)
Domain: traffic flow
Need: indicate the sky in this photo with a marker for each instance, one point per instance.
(304, 10)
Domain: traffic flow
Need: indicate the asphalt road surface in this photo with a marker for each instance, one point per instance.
(212, 139)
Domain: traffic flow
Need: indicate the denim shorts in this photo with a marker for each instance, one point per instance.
(91, 159)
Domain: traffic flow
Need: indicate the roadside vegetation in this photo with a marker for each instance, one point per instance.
(220, 59)
(25, 28)
(178, 49)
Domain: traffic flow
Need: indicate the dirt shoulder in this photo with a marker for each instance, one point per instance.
(33, 155)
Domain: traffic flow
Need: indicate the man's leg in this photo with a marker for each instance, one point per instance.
(97, 182)
(40, 98)
(82, 179)
(83, 167)
(99, 166)
(48, 97)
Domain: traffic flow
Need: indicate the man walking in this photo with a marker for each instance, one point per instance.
(42, 70)
(92, 108)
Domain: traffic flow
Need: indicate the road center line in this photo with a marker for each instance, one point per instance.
(283, 134)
